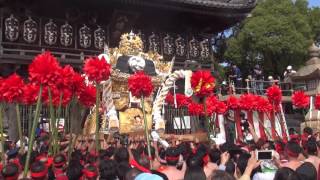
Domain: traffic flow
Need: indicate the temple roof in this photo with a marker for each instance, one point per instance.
(312, 68)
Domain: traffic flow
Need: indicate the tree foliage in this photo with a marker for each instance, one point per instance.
(277, 33)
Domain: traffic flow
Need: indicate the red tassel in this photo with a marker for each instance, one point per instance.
(261, 126)
(273, 126)
(237, 120)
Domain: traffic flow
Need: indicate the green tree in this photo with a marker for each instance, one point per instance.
(277, 33)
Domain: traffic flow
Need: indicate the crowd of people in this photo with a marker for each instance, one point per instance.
(124, 157)
(257, 80)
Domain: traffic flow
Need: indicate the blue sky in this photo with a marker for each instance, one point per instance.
(314, 3)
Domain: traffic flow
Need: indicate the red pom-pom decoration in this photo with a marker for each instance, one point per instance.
(44, 69)
(140, 84)
(300, 99)
(211, 105)
(87, 96)
(232, 102)
(77, 83)
(13, 89)
(317, 102)
(182, 100)
(30, 94)
(97, 70)
(1, 89)
(202, 83)
(195, 109)
(274, 95)
(55, 95)
(262, 105)
(221, 107)
(247, 102)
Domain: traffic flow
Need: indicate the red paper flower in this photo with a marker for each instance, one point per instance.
(182, 100)
(77, 83)
(65, 78)
(221, 107)
(247, 101)
(169, 99)
(12, 88)
(30, 94)
(44, 69)
(262, 104)
(195, 109)
(211, 105)
(317, 102)
(300, 99)
(55, 95)
(232, 102)
(87, 96)
(274, 94)
(1, 89)
(140, 84)
(202, 83)
(97, 70)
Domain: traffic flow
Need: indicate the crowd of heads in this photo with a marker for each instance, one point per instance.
(296, 159)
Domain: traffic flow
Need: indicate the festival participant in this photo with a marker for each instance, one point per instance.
(108, 170)
(195, 168)
(287, 174)
(74, 170)
(221, 175)
(90, 173)
(59, 163)
(172, 159)
(312, 151)
(293, 150)
(39, 171)
(10, 172)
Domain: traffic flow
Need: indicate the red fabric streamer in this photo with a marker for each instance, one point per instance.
(317, 102)
(202, 83)
(140, 84)
(87, 96)
(44, 69)
(273, 126)
(274, 94)
(237, 120)
(97, 70)
(300, 99)
(250, 117)
(12, 89)
(263, 135)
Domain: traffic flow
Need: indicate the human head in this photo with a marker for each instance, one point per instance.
(289, 68)
(108, 170)
(59, 161)
(311, 147)
(74, 170)
(39, 171)
(308, 130)
(293, 150)
(90, 172)
(172, 156)
(148, 176)
(221, 175)
(10, 171)
(287, 174)
(214, 155)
